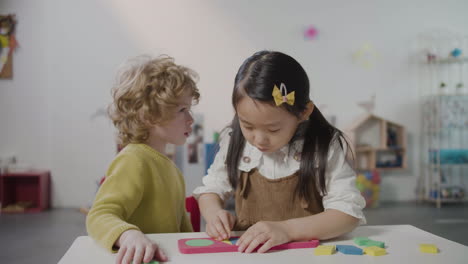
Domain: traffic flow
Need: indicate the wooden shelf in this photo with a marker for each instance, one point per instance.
(378, 144)
(450, 60)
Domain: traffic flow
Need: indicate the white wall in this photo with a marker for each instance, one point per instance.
(69, 51)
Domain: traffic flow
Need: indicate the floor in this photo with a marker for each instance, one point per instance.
(45, 237)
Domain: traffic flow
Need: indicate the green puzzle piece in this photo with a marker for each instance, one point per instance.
(361, 241)
(371, 243)
(364, 241)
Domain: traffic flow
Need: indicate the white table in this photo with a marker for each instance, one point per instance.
(401, 241)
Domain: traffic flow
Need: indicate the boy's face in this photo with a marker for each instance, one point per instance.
(265, 126)
(176, 130)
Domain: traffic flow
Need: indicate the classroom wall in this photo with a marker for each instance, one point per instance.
(69, 52)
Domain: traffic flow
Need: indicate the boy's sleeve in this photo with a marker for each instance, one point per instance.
(342, 193)
(117, 198)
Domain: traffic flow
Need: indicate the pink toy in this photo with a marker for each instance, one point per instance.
(208, 245)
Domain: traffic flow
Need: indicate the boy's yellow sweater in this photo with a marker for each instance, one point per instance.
(143, 190)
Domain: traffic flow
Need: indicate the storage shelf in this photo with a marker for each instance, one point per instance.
(365, 149)
(446, 200)
(444, 143)
(379, 144)
(450, 60)
(31, 187)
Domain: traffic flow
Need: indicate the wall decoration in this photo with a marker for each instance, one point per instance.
(366, 56)
(195, 140)
(7, 45)
(311, 33)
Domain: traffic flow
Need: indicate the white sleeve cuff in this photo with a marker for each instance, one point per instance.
(204, 189)
(351, 204)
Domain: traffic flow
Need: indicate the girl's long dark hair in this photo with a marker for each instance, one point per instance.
(256, 79)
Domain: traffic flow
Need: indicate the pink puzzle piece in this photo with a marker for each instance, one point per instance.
(208, 245)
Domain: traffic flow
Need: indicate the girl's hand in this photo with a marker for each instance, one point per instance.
(268, 233)
(220, 224)
(136, 248)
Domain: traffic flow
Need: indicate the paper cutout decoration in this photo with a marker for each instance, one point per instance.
(311, 33)
(366, 56)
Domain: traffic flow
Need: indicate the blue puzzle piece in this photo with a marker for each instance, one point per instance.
(233, 240)
(349, 250)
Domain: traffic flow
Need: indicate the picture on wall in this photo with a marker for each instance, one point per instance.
(195, 140)
(7, 45)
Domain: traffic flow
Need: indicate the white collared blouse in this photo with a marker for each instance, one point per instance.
(342, 193)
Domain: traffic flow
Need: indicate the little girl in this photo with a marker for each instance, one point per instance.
(283, 162)
(144, 192)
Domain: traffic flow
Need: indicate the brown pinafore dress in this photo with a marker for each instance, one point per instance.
(261, 199)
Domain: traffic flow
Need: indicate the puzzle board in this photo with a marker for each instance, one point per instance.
(208, 245)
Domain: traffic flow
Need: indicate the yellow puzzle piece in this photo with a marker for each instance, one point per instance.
(324, 250)
(227, 241)
(428, 248)
(375, 251)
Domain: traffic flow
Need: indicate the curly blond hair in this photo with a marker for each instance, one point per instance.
(146, 92)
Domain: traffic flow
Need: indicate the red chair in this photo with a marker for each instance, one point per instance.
(191, 205)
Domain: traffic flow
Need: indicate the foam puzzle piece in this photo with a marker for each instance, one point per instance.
(371, 243)
(365, 241)
(233, 240)
(428, 248)
(375, 251)
(349, 250)
(227, 241)
(209, 245)
(324, 250)
(361, 241)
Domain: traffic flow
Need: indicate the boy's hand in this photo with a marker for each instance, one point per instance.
(220, 224)
(136, 248)
(268, 233)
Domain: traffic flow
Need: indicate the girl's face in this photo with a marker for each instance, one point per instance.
(266, 126)
(176, 130)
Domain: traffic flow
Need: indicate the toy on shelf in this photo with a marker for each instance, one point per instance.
(456, 52)
(453, 193)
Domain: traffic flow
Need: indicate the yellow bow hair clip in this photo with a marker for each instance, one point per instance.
(282, 98)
